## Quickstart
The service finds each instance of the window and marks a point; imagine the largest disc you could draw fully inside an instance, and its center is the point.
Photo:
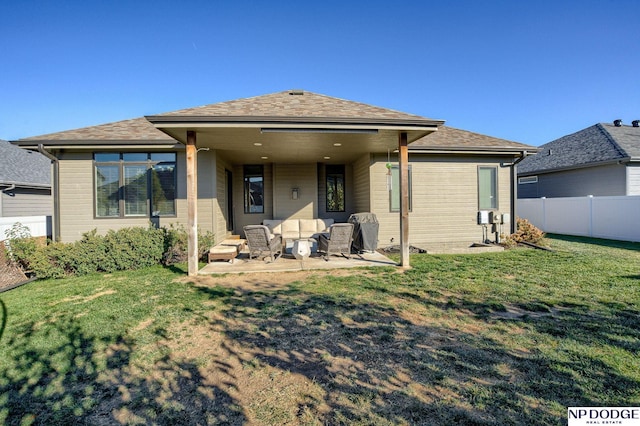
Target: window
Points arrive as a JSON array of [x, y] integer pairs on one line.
[[528, 179], [394, 190], [335, 188], [129, 184], [487, 188], [253, 189]]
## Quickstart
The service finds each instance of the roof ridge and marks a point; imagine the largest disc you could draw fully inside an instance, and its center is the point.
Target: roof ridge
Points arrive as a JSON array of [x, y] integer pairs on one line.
[[612, 140]]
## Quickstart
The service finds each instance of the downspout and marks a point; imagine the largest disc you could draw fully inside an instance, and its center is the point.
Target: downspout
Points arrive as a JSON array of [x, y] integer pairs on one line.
[[514, 190], [55, 190]]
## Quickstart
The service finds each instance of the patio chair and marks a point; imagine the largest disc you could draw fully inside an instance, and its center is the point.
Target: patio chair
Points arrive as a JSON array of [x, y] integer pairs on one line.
[[338, 241], [260, 240]]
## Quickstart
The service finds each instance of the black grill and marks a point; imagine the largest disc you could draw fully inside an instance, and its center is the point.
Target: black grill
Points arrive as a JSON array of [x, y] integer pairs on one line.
[[365, 231]]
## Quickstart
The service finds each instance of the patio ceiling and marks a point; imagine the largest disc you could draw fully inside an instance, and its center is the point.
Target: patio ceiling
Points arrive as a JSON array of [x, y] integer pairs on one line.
[[303, 144]]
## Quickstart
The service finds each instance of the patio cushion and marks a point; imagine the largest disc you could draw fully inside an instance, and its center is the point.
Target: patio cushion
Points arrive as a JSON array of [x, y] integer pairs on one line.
[[323, 225], [308, 227], [291, 229], [274, 225], [223, 249]]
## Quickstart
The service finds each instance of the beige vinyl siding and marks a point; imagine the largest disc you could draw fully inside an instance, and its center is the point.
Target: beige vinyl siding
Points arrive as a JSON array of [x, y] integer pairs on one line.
[[219, 204], [207, 193], [362, 184], [76, 182], [444, 200], [289, 176], [26, 202]]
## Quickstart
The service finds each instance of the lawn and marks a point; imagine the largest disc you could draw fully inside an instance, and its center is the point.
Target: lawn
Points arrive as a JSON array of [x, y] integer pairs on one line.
[[496, 338]]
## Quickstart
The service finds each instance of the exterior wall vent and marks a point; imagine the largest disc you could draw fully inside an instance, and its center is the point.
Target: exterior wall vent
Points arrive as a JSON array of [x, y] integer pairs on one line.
[[635, 123], [617, 123]]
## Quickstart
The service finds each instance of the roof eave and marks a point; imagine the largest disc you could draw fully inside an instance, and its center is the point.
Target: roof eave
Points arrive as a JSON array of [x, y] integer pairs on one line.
[[473, 150], [242, 121], [579, 166], [26, 184], [97, 143]]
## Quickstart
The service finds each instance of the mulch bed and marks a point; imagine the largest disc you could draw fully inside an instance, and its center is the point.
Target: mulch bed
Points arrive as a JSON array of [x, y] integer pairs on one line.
[[10, 275]]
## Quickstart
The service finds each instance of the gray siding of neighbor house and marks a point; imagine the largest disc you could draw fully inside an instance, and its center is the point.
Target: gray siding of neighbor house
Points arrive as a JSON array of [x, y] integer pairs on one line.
[[444, 200], [633, 179], [597, 181], [26, 202], [76, 182]]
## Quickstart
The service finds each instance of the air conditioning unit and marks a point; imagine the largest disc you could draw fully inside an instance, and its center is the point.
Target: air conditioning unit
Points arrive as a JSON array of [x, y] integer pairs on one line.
[[483, 217]]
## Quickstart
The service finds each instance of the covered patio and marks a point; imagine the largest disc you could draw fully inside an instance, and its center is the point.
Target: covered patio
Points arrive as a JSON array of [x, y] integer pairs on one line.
[[292, 128]]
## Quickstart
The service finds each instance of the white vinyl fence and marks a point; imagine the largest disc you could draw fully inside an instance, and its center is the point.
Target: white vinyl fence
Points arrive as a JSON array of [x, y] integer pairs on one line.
[[39, 226], [614, 218]]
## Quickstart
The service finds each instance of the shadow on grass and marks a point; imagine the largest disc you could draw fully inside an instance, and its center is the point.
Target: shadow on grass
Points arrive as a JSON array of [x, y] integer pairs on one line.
[[378, 367], [60, 375]]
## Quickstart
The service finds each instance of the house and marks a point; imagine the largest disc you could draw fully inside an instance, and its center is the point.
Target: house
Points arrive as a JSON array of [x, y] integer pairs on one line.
[[291, 154], [25, 183], [601, 160]]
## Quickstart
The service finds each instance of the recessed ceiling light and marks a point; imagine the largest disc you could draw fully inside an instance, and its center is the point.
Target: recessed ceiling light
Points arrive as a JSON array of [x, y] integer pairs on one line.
[[265, 158], [257, 144], [327, 158], [337, 144]]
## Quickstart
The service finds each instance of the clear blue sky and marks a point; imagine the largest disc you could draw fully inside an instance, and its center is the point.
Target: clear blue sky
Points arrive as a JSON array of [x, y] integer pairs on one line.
[[529, 71]]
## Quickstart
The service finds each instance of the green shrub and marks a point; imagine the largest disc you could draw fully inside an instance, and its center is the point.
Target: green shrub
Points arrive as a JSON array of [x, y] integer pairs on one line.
[[176, 244], [21, 246], [125, 249], [48, 261]]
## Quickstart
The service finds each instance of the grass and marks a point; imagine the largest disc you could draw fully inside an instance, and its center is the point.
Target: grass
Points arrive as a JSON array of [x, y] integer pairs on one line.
[[499, 338]]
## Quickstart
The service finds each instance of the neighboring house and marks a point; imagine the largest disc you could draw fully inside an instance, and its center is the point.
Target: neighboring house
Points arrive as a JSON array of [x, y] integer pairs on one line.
[[25, 183], [601, 160], [292, 154]]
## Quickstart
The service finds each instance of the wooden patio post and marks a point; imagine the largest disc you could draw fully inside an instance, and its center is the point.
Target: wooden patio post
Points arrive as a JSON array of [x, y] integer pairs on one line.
[[192, 203], [404, 199]]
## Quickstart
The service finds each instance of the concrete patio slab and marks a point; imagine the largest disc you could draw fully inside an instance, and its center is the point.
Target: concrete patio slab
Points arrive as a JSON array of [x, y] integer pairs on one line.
[[242, 264]]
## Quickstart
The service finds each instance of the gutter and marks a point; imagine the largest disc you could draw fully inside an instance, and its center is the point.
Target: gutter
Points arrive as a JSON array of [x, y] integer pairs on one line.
[[254, 121], [622, 160], [9, 188], [55, 189]]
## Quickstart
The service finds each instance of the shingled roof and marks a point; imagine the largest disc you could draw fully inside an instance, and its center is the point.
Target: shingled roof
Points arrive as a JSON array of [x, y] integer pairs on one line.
[[600, 143], [292, 104], [137, 129], [453, 139], [22, 167]]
